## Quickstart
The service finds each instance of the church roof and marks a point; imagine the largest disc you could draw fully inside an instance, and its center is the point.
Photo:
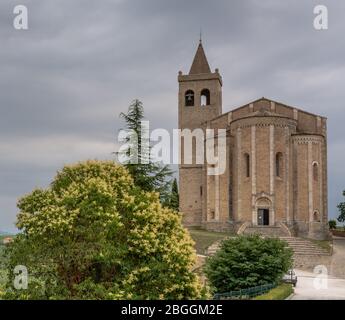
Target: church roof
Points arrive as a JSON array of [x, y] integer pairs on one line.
[[262, 113], [200, 63]]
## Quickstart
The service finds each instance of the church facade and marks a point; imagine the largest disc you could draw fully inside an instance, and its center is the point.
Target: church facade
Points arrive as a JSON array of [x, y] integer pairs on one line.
[[275, 181]]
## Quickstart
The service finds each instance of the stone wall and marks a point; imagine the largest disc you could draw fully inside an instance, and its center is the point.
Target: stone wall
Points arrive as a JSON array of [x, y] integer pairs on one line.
[[309, 262]]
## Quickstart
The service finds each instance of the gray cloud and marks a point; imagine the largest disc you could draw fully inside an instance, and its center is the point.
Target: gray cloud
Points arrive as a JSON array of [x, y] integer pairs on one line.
[[65, 80]]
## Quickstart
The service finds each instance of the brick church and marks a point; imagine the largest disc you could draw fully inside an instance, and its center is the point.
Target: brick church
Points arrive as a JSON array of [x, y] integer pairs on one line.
[[275, 181]]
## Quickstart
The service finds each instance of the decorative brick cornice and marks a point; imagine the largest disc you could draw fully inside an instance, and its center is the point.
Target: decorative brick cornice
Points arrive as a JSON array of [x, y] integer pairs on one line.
[[306, 138], [263, 122]]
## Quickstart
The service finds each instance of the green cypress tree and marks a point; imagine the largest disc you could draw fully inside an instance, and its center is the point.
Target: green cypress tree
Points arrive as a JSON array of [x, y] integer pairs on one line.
[[175, 198], [147, 175]]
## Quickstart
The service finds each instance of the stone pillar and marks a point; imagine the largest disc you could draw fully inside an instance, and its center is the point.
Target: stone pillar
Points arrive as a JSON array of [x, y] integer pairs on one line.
[[253, 169], [287, 173], [273, 106], [321, 183], [324, 173], [239, 173], [272, 176], [310, 180], [319, 125], [216, 195]]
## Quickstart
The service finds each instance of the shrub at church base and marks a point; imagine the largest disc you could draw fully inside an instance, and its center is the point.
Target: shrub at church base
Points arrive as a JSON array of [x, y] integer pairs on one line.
[[94, 235], [248, 261]]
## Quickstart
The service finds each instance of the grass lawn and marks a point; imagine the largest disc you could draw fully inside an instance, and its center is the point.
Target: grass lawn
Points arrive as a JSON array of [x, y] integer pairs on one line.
[[203, 239], [280, 292], [324, 244]]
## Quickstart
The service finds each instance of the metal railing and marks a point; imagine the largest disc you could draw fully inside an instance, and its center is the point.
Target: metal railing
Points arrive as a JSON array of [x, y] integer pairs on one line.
[[245, 293]]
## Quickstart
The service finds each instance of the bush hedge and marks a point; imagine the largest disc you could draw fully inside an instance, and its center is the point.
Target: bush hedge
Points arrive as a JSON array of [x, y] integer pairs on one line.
[[248, 261]]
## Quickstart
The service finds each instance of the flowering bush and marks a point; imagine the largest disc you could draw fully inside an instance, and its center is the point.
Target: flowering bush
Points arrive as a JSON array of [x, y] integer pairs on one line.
[[94, 235]]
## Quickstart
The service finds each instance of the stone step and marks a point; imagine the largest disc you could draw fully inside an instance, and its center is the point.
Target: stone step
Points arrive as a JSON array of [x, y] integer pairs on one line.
[[211, 251], [308, 250], [298, 245], [310, 254], [304, 246]]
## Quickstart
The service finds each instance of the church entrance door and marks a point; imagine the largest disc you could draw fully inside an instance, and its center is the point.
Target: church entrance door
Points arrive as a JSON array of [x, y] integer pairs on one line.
[[263, 217]]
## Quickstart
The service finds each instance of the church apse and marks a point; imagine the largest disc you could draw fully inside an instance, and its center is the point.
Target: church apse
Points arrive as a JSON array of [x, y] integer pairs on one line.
[[275, 180]]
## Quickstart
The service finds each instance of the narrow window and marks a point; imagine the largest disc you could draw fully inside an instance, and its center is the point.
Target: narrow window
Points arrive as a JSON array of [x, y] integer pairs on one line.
[[316, 216], [315, 171], [201, 190], [213, 215], [205, 97], [189, 98], [279, 164], [247, 164]]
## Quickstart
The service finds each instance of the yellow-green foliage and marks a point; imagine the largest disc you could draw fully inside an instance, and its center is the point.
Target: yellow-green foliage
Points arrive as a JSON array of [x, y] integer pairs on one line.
[[280, 292], [94, 235]]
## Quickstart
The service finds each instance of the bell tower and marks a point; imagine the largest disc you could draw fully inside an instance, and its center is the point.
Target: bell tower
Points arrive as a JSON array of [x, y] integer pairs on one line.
[[200, 93], [200, 100]]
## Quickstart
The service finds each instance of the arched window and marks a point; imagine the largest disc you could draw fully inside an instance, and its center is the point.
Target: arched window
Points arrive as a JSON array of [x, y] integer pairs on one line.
[[189, 98], [247, 164], [315, 171], [316, 216], [212, 215], [279, 165], [205, 97]]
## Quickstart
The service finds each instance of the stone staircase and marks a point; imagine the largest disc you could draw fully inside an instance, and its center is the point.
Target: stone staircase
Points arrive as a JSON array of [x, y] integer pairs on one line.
[[304, 247], [213, 248], [298, 245]]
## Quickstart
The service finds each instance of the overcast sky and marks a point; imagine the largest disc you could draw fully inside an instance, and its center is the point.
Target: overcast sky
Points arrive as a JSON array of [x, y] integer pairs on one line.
[[64, 81]]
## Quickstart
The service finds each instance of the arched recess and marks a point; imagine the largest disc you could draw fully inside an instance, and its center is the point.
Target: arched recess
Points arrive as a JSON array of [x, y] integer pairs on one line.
[[189, 98], [246, 158], [205, 97], [316, 216], [315, 171], [263, 214], [279, 165]]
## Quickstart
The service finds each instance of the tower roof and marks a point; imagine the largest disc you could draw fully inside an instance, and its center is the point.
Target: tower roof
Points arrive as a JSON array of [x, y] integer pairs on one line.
[[200, 63]]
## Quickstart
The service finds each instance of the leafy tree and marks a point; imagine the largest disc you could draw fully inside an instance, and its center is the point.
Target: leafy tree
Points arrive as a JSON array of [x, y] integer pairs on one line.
[[341, 207], [95, 235], [332, 224], [147, 174], [248, 261], [174, 197]]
